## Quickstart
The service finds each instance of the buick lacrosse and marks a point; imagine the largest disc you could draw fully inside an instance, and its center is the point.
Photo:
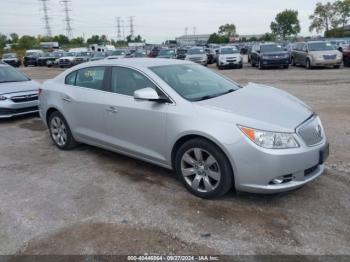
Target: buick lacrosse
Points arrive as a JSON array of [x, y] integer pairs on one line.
[[177, 114]]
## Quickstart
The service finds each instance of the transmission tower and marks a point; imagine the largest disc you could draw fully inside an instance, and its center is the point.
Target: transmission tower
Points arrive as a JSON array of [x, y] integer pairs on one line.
[[131, 21], [119, 33], [194, 30], [46, 17], [67, 19]]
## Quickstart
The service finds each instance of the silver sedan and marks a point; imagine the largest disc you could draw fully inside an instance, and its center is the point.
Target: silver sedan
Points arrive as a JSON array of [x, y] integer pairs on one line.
[[215, 134], [18, 93]]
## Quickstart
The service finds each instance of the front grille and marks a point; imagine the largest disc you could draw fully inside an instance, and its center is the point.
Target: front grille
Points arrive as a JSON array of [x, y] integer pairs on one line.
[[24, 98], [11, 111], [329, 57], [311, 132]]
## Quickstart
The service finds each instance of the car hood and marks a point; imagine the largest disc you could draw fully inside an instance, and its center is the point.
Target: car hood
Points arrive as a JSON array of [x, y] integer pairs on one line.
[[260, 106], [68, 57], [330, 52], [230, 55], [274, 53], [15, 87]]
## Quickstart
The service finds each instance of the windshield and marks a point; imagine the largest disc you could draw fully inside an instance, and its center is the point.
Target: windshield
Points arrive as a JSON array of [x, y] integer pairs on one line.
[[9, 74], [322, 46], [166, 52], [31, 54], [194, 82], [84, 54], [9, 56], [271, 48], [99, 54], [118, 52], [70, 54], [140, 54], [229, 50], [195, 51]]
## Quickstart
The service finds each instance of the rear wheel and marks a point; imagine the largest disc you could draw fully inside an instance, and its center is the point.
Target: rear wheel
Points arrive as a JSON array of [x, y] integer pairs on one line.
[[203, 168], [60, 132]]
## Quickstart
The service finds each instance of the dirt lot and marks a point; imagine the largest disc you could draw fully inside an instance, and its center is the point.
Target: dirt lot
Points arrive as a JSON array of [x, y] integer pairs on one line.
[[90, 201]]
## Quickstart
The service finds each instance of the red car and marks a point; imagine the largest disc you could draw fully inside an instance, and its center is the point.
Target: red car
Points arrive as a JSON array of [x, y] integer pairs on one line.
[[346, 56]]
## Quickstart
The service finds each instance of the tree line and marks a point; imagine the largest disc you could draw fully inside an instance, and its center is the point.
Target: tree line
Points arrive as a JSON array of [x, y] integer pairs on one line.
[[330, 18]]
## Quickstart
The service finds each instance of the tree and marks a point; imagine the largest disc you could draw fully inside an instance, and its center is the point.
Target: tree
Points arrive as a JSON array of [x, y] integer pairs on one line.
[[342, 11], [14, 38], [27, 42], [227, 30], [3, 40], [78, 41], [286, 24], [95, 39], [268, 37], [61, 39], [323, 18], [217, 39]]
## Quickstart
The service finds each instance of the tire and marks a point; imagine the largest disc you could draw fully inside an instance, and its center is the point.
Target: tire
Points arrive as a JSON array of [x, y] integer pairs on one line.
[[347, 62], [60, 132], [308, 64], [292, 61], [240, 66], [336, 66], [207, 181], [25, 65], [286, 66], [261, 67]]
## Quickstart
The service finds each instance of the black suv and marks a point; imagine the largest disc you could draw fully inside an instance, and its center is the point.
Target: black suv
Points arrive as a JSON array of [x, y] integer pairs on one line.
[[31, 57], [269, 55], [181, 53], [11, 59]]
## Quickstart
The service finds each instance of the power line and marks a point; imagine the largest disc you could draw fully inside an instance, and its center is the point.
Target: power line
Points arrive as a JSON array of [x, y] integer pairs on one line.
[[46, 17], [67, 19]]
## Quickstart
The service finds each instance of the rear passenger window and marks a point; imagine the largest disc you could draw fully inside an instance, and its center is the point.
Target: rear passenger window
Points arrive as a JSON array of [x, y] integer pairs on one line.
[[91, 77], [70, 79]]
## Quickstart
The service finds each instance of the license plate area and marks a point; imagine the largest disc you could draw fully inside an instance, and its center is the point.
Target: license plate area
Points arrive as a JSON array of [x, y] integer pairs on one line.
[[324, 153]]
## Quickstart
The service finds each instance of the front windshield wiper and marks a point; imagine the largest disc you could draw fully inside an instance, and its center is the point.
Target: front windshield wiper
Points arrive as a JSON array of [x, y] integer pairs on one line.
[[206, 97]]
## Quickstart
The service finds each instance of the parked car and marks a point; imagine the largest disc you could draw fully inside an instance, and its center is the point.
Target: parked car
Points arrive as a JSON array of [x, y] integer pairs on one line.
[[139, 53], [11, 59], [68, 60], [346, 56], [211, 55], [47, 56], [54, 61], [229, 56], [31, 57], [197, 55], [154, 51], [316, 53], [183, 116], [181, 53], [265, 55], [167, 53], [18, 93], [99, 56], [117, 54]]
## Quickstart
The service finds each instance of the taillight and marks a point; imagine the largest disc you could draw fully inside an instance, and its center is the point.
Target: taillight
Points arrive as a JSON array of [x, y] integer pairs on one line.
[[40, 91]]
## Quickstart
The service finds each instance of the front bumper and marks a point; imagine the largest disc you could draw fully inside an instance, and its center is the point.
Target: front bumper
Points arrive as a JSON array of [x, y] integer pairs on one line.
[[233, 63], [324, 62], [256, 167], [275, 62], [9, 108]]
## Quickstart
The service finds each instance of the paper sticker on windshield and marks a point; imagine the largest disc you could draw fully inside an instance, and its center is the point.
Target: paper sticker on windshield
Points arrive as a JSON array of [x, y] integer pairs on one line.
[[90, 73], [328, 44]]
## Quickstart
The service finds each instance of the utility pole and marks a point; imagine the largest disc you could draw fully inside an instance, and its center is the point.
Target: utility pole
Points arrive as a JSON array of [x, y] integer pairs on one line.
[[67, 19], [46, 17], [123, 27], [194, 30]]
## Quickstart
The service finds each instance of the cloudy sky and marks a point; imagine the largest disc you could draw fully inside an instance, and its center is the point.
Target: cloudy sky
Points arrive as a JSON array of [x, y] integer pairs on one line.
[[155, 20]]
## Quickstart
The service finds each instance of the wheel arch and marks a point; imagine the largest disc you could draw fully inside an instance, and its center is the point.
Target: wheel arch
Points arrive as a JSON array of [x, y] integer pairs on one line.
[[186, 137]]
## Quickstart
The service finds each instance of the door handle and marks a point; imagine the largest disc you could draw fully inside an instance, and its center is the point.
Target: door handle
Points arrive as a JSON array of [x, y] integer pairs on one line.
[[67, 99], [112, 109]]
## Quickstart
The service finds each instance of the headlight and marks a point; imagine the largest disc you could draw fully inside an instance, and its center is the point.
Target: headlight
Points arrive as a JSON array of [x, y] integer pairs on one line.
[[271, 140], [3, 98]]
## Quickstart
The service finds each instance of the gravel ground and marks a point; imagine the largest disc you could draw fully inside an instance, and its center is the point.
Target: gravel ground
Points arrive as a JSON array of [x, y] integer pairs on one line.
[[91, 201]]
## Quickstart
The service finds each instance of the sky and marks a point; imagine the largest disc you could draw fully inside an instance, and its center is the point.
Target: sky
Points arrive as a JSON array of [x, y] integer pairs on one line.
[[154, 20]]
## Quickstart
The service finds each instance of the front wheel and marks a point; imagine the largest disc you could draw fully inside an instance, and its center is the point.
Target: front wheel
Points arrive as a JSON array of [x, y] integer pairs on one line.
[[60, 132], [261, 67], [292, 62], [336, 66], [204, 169], [308, 64]]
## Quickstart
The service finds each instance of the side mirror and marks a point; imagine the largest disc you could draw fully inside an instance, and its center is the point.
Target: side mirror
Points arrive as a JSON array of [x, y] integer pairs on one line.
[[149, 94]]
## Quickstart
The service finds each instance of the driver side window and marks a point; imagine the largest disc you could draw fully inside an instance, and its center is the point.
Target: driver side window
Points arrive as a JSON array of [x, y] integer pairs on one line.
[[126, 81]]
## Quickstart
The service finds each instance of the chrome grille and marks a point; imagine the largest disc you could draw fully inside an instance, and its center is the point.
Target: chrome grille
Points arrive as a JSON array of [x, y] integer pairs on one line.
[[24, 98], [311, 131]]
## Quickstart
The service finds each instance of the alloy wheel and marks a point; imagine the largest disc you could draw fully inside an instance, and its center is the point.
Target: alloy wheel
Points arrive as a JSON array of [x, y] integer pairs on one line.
[[200, 170], [58, 131]]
